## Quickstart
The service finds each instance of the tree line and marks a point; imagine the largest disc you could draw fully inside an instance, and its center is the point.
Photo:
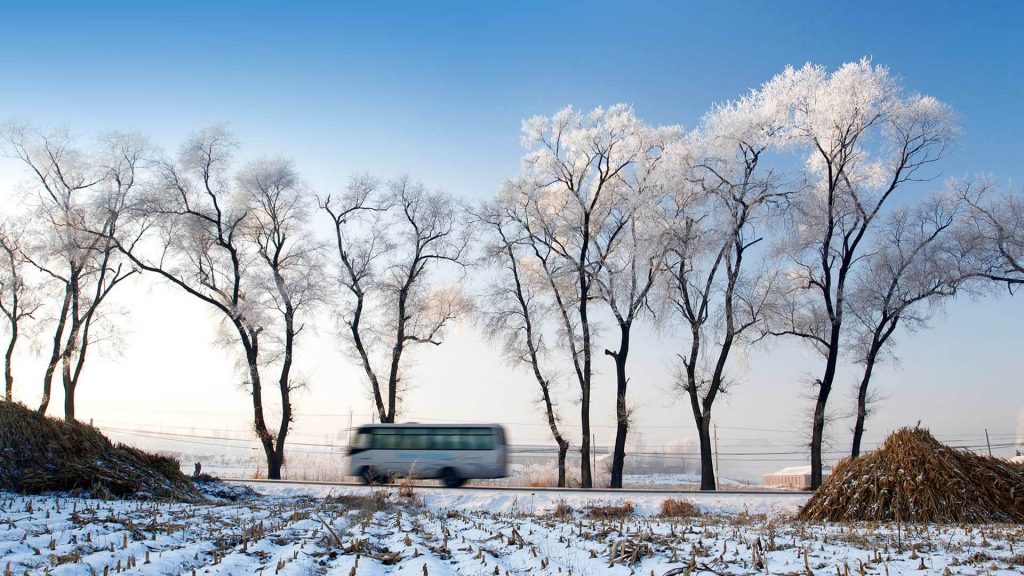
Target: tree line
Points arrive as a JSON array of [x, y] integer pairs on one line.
[[794, 212]]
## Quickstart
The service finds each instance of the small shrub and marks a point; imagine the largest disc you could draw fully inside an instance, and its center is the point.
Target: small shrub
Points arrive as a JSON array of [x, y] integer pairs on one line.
[[405, 488], [745, 518], [611, 511], [562, 510], [678, 508], [536, 475], [376, 501], [544, 474], [381, 499], [1017, 560]]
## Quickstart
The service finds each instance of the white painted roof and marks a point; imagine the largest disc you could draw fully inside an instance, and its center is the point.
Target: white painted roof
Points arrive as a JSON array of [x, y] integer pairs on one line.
[[798, 470]]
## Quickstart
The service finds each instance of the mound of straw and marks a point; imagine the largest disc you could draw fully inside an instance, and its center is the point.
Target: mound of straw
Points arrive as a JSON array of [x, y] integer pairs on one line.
[[913, 477], [678, 508], [41, 454]]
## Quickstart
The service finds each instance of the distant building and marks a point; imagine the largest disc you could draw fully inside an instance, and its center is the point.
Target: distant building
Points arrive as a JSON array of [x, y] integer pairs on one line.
[[796, 477]]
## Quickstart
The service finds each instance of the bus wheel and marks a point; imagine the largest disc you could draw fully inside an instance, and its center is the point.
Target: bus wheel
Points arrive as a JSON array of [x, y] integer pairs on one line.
[[368, 476], [451, 479]]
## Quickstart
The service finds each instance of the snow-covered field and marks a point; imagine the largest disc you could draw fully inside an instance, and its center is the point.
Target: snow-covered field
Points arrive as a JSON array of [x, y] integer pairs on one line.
[[304, 530]]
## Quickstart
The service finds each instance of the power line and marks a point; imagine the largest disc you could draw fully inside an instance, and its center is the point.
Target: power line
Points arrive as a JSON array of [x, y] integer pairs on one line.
[[947, 439], [950, 437], [521, 449]]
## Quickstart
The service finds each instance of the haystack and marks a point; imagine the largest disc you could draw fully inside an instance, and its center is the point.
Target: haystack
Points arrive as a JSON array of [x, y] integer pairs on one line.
[[913, 477], [40, 454]]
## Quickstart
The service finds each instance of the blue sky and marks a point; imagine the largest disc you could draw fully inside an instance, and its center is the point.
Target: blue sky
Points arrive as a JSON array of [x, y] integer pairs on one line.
[[438, 90]]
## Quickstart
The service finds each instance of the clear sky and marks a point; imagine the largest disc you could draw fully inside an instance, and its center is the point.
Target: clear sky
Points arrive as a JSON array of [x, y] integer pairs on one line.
[[438, 90]]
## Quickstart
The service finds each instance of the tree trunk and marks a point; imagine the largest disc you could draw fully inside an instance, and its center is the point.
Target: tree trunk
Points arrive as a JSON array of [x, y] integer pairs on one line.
[[70, 345], [388, 417], [251, 344], [284, 382], [534, 361], [707, 462], [8, 375], [563, 449], [619, 450], [58, 339], [817, 435], [862, 405], [275, 461], [69, 400], [70, 380], [621, 414], [563, 444], [818, 424], [357, 339], [701, 416], [586, 481]]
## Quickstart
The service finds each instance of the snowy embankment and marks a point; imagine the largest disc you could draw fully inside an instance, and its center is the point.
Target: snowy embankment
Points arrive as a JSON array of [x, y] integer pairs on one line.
[[303, 530]]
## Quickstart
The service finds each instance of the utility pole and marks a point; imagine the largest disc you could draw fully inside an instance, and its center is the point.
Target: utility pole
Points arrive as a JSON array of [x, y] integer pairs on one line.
[[349, 427], [989, 444], [593, 459], [716, 456]]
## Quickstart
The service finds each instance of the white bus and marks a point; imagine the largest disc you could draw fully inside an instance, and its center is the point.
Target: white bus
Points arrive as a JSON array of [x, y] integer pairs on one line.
[[452, 452]]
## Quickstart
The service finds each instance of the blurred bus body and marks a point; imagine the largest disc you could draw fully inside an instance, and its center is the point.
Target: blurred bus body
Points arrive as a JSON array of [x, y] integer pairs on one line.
[[452, 453]]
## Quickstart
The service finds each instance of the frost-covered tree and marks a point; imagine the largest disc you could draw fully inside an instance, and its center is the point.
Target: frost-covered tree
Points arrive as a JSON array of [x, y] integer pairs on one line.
[[912, 267], [571, 193], [995, 233], [863, 140], [513, 308], [81, 203], [721, 198], [289, 275], [631, 255], [236, 241], [392, 242], [19, 299]]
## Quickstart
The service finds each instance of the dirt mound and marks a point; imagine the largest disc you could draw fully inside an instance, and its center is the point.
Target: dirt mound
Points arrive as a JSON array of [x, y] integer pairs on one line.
[[913, 477], [41, 454]]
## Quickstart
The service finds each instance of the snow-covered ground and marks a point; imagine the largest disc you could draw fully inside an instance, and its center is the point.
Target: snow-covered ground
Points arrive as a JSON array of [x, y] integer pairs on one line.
[[303, 530]]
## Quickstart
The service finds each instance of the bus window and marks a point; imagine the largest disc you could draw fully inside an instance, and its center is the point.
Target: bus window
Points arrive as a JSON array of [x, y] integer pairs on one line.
[[485, 441], [412, 439], [445, 440], [428, 439], [362, 440], [385, 439]]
